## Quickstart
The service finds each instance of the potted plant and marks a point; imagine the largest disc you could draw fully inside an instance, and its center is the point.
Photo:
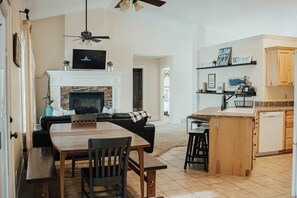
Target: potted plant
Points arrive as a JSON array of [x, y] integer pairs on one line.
[[48, 111], [66, 65], [109, 66]]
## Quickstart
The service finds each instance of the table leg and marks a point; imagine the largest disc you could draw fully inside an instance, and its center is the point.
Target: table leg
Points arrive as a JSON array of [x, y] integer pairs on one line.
[[62, 173], [141, 170]]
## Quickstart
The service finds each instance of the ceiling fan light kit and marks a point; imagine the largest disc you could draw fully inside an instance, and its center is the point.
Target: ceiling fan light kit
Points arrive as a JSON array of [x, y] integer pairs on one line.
[[138, 6], [125, 5]]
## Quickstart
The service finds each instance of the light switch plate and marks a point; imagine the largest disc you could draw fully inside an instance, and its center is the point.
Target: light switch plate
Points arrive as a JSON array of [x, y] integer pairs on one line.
[[216, 122]]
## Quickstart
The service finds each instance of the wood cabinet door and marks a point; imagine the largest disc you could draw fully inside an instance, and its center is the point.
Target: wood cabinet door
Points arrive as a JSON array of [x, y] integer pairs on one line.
[[280, 66], [291, 68], [284, 61]]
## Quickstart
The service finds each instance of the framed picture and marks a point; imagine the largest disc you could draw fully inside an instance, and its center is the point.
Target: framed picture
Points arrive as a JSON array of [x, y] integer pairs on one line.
[[211, 81], [17, 54], [224, 56]]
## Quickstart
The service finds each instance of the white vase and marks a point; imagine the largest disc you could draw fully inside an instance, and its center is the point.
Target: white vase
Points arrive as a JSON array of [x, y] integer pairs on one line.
[[66, 67], [109, 68]]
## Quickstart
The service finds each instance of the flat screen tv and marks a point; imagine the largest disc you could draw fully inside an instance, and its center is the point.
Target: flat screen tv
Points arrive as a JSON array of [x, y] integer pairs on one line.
[[88, 59]]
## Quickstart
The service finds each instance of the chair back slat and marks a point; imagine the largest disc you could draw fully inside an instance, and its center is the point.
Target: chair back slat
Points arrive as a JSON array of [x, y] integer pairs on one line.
[[109, 156]]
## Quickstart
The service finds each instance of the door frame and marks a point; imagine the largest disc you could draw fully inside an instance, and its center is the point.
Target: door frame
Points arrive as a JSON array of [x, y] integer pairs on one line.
[[162, 67], [7, 152], [144, 84]]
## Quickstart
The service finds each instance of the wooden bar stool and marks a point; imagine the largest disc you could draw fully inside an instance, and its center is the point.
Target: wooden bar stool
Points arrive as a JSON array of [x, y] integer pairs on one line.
[[197, 150]]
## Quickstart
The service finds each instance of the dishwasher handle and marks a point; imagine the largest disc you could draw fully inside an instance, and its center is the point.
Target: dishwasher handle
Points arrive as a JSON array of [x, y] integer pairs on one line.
[[272, 114]]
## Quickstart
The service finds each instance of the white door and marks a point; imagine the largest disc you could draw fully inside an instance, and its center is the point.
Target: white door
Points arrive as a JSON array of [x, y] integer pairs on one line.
[[3, 115]]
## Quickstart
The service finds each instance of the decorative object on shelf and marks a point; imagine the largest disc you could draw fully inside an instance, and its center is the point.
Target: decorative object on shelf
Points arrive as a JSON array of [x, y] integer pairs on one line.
[[109, 66], [204, 89], [221, 87], [224, 56], [212, 81], [48, 111], [206, 63], [17, 50], [241, 59], [235, 81], [66, 65]]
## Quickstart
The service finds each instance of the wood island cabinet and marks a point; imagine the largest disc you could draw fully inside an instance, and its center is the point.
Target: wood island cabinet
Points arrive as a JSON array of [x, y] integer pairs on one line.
[[288, 143], [231, 145], [280, 66]]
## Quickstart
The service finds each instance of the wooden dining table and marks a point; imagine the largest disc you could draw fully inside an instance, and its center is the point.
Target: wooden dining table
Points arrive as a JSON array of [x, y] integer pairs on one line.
[[72, 139]]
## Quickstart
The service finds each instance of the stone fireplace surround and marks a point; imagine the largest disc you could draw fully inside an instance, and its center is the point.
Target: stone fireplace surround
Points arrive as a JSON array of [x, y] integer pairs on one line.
[[61, 82]]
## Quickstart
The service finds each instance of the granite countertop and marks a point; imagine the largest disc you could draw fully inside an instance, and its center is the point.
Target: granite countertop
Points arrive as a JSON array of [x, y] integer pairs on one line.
[[215, 111]]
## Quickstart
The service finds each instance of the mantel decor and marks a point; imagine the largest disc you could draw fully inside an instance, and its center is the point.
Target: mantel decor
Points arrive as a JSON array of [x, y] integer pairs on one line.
[[224, 56], [17, 54]]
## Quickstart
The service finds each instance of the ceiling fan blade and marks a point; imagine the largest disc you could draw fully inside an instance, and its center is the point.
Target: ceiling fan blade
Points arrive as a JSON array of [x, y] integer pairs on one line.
[[71, 36], [158, 3], [101, 37], [118, 5], [95, 40]]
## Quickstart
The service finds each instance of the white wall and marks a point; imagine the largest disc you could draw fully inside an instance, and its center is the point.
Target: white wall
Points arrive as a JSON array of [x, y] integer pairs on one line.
[[129, 36], [151, 81], [48, 49], [254, 46]]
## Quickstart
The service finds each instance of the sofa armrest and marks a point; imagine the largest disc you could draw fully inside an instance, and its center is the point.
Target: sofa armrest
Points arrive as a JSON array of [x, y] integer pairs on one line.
[[149, 135], [41, 139]]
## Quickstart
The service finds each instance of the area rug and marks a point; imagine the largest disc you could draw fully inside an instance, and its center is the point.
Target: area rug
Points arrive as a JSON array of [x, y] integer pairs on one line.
[[169, 136]]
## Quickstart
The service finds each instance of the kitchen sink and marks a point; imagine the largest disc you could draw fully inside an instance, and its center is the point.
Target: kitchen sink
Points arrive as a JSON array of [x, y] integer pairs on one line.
[[237, 110]]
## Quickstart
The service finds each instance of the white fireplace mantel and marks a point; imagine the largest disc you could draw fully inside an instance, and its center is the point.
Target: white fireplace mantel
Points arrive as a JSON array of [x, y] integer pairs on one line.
[[60, 78]]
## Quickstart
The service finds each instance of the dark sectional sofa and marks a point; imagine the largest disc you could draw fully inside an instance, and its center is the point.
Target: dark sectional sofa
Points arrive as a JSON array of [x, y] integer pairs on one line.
[[41, 138]]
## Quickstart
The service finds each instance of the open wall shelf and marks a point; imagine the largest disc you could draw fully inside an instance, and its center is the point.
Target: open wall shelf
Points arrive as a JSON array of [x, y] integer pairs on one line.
[[229, 93], [215, 67]]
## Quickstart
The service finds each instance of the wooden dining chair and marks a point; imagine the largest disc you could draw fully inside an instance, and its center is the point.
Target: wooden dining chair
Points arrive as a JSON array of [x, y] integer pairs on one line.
[[108, 162], [81, 120]]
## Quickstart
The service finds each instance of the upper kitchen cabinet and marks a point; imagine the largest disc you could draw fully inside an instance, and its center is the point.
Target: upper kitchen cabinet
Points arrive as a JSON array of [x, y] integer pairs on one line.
[[280, 66]]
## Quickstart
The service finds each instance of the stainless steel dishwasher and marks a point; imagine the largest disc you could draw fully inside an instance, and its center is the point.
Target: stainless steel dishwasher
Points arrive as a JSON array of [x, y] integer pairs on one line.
[[271, 132]]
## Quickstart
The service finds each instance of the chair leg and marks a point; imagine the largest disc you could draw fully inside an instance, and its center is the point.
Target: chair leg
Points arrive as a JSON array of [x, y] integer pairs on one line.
[[189, 147], [73, 165], [82, 186]]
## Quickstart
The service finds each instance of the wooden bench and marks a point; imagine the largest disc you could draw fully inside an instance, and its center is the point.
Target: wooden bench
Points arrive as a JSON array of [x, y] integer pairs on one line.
[[41, 169], [151, 165]]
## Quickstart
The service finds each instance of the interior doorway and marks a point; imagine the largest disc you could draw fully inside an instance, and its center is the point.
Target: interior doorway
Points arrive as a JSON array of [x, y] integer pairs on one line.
[[137, 89], [166, 92], [3, 114]]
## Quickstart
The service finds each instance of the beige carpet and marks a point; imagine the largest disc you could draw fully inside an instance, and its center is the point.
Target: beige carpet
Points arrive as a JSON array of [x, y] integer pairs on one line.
[[168, 136]]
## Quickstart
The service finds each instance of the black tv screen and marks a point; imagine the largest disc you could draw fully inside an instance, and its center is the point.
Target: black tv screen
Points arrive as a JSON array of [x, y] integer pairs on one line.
[[88, 59]]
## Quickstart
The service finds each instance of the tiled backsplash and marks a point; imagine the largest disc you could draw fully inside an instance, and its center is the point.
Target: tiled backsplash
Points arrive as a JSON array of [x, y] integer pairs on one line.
[[273, 103]]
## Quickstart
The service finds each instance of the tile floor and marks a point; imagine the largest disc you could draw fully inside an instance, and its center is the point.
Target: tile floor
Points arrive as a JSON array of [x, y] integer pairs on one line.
[[271, 177]]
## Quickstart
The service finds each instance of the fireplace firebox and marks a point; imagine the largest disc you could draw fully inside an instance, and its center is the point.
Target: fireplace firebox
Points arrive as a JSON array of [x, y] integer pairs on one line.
[[86, 102]]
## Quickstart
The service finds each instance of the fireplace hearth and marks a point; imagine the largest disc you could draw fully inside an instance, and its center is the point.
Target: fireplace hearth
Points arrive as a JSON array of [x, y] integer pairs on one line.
[[86, 102]]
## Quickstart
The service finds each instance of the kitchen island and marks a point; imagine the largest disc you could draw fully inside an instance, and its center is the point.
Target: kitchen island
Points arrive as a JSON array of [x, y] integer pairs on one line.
[[231, 136]]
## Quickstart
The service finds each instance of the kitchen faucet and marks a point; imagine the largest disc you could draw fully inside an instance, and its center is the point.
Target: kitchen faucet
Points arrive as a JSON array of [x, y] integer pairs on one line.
[[224, 102]]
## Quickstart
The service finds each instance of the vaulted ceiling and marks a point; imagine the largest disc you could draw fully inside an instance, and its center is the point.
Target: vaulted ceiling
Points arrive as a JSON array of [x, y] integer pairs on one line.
[[261, 16]]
